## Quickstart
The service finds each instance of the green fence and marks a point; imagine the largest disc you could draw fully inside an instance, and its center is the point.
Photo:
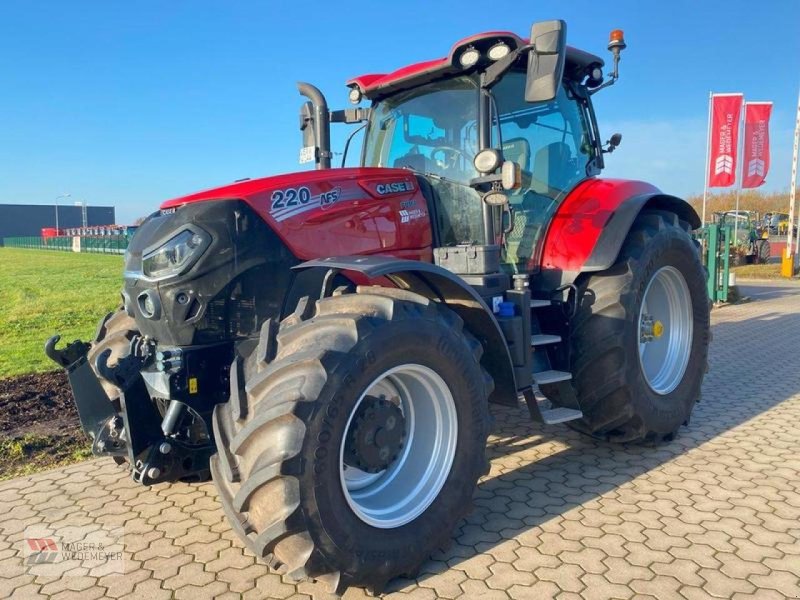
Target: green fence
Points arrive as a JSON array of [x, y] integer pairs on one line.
[[101, 244]]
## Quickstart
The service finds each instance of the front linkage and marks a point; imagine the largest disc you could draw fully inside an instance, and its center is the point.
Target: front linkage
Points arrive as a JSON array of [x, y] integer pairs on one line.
[[162, 441]]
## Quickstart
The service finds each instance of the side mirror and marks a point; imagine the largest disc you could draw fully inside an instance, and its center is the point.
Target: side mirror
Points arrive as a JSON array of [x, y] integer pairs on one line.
[[611, 144], [546, 60]]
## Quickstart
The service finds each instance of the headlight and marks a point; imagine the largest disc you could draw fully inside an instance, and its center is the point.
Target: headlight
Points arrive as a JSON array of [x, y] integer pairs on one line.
[[176, 255]]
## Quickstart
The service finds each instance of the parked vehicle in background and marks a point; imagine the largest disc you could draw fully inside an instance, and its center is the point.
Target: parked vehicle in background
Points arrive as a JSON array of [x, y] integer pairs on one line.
[[750, 243], [779, 224]]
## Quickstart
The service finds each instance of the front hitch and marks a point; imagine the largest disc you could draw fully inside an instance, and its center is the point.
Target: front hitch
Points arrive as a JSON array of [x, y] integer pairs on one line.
[[95, 409], [135, 431]]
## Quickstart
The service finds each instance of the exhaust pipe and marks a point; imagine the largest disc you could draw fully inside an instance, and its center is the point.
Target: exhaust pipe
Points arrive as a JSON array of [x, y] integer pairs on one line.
[[319, 118]]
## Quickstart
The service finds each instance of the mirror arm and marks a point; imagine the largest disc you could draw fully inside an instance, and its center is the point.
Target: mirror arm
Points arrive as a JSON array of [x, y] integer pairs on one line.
[[350, 115]]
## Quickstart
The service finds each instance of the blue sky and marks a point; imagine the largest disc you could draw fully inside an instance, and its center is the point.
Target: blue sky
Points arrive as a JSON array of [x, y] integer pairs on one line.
[[133, 103]]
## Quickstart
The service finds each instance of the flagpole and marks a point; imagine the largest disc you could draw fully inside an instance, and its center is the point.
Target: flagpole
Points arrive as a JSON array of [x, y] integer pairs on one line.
[[741, 172], [793, 190], [708, 156]]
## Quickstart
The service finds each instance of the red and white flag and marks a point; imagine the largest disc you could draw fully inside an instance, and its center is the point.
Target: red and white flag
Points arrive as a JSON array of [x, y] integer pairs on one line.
[[756, 143], [726, 110]]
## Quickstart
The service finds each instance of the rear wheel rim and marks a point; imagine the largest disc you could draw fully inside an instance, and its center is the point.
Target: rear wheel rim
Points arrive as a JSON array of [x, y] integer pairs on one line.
[[665, 330], [409, 485]]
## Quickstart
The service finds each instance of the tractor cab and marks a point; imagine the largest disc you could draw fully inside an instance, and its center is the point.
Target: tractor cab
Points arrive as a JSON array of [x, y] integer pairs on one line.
[[495, 102], [433, 130]]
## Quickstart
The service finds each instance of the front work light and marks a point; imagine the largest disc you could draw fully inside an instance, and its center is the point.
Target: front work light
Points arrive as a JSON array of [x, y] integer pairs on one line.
[[176, 255], [487, 160], [469, 57], [355, 95], [498, 51]]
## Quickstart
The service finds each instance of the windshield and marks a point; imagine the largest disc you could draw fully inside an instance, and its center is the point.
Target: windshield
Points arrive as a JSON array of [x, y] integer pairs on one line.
[[433, 130]]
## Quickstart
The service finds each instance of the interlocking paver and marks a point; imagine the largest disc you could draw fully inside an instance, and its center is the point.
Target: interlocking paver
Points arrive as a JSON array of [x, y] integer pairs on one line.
[[712, 515]]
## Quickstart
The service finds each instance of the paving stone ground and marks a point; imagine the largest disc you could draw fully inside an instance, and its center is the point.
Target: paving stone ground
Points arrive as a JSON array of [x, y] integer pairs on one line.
[[714, 514]]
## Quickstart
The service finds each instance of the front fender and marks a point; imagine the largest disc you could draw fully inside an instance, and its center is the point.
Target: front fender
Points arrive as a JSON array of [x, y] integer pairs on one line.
[[440, 285], [589, 227]]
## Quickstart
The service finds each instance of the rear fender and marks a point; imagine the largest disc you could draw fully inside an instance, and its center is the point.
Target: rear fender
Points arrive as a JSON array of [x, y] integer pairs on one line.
[[591, 224], [438, 284]]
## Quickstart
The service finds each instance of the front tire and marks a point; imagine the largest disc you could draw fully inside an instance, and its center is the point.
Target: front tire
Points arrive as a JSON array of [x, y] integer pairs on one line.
[[639, 342], [319, 499]]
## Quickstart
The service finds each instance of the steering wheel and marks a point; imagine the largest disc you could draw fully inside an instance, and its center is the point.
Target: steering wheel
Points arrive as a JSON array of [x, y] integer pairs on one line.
[[450, 156]]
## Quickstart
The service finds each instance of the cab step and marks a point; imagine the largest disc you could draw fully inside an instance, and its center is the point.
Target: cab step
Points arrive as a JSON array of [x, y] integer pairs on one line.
[[549, 416], [542, 339], [551, 376], [561, 414]]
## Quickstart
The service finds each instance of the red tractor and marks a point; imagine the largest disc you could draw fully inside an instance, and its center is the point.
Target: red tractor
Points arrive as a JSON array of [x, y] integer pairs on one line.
[[326, 343]]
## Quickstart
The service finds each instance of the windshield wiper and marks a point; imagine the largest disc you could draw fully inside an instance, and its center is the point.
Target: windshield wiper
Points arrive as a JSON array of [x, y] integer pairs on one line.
[[437, 176]]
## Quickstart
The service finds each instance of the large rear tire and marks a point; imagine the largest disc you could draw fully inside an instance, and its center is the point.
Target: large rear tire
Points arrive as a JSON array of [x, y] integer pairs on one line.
[[311, 470], [639, 342]]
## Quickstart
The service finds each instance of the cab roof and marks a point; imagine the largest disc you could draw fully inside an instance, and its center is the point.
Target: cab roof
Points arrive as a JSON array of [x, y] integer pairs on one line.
[[378, 85]]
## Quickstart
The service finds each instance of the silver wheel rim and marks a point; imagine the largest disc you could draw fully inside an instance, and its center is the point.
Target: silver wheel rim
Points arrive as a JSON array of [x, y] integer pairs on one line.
[[401, 492], [665, 330]]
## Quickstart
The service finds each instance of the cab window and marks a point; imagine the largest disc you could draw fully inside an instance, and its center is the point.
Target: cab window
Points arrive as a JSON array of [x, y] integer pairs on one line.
[[433, 130], [551, 144]]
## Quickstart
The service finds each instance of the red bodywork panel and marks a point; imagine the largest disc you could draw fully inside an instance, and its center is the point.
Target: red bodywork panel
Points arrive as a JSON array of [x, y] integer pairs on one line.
[[354, 211], [580, 218], [337, 212]]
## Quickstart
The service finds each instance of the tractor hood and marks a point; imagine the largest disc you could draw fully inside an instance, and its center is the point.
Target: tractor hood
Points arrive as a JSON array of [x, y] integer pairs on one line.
[[250, 187], [335, 212]]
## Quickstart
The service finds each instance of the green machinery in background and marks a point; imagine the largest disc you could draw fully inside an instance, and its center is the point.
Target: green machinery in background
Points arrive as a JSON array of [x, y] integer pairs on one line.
[[715, 241]]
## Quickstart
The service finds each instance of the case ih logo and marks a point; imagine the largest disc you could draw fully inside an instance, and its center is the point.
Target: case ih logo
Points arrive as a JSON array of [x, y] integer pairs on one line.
[[43, 550], [396, 187], [723, 164]]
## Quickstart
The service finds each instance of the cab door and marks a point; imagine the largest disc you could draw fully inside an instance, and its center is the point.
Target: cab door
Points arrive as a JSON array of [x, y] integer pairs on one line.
[[551, 143]]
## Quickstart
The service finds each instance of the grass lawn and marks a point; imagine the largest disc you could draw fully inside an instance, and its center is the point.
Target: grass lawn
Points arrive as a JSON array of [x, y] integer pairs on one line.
[[32, 453], [768, 271], [43, 292]]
